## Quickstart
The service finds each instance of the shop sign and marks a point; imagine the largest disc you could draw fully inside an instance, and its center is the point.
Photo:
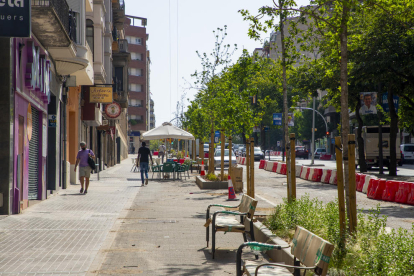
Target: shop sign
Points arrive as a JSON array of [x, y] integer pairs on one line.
[[29, 124], [15, 18], [113, 110], [52, 120], [135, 133], [101, 95], [37, 77]]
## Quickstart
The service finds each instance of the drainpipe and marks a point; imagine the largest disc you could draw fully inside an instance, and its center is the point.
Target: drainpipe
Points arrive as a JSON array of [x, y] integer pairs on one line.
[[64, 98]]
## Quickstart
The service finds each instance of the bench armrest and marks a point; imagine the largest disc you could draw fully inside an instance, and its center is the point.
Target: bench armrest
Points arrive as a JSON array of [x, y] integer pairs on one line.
[[282, 265]]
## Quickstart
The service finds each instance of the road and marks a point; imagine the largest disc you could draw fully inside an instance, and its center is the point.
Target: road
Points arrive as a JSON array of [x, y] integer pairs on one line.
[[271, 187]]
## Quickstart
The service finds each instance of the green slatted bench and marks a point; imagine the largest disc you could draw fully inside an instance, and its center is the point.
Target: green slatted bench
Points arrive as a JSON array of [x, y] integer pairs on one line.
[[226, 222], [310, 253]]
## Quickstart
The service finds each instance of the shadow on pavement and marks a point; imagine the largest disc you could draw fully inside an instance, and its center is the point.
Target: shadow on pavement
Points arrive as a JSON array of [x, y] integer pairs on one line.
[[394, 211]]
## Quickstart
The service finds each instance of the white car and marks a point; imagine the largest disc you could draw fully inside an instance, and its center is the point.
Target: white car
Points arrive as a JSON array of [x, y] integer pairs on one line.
[[319, 152], [217, 158], [407, 153]]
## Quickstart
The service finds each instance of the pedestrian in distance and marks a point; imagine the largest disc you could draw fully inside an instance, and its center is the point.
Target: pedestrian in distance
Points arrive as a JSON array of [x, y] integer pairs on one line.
[[161, 152], [84, 168], [143, 154]]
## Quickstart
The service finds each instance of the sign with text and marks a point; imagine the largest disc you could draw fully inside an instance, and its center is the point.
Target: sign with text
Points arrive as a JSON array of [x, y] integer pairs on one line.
[[100, 95], [52, 120], [216, 136], [385, 105], [15, 18], [277, 119]]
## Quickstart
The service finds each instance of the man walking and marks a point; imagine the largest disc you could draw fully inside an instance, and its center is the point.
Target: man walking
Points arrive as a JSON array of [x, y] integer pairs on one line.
[[143, 154], [84, 169], [161, 152]]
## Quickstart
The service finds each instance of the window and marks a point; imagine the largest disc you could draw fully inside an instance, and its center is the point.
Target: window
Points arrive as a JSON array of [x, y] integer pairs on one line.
[[89, 35], [135, 87], [136, 56], [138, 41]]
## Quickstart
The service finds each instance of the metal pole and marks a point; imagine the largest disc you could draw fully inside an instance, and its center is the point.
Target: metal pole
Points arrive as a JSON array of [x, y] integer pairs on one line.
[[222, 155], [313, 133], [292, 166], [97, 170]]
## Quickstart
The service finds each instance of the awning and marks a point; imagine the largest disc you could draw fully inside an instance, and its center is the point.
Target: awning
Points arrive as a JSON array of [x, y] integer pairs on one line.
[[167, 130]]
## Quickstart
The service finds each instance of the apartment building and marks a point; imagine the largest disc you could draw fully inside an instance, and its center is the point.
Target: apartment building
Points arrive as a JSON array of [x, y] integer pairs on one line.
[[53, 61], [139, 74]]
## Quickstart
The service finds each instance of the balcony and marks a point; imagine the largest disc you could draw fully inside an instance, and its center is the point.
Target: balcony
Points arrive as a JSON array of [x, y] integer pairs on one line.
[[55, 28], [120, 95], [84, 55], [118, 8]]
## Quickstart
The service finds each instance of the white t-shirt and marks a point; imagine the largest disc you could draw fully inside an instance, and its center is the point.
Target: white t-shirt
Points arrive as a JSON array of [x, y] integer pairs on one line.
[[365, 110], [161, 148]]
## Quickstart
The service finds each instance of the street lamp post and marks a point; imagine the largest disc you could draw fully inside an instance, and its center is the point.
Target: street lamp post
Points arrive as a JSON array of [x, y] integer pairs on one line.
[[313, 125]]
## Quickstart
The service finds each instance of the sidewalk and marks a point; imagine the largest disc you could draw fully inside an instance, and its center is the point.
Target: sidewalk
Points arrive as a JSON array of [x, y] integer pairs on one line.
[[119, 228]]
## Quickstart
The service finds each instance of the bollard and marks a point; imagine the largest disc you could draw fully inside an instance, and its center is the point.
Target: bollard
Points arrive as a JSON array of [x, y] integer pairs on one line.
[[340, 183], [97, 167]]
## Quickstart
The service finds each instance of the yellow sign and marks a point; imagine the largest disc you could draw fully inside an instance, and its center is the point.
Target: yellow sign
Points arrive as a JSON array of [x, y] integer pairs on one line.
[[101, 95], [29, 123]]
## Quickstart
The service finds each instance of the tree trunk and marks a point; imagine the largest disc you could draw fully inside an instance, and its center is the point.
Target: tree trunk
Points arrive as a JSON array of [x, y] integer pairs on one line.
[[344, 98], [362, 164], [393, 134], [285, 102]]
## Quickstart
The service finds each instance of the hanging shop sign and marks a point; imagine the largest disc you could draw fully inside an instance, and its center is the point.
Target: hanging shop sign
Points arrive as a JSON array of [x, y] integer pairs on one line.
[[29, 123], [101, 95], [15, 18], [52, 120], [113, 110]]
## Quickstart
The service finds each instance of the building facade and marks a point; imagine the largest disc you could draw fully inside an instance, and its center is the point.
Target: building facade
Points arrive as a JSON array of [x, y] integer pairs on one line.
[[47, 109], [139, 74]]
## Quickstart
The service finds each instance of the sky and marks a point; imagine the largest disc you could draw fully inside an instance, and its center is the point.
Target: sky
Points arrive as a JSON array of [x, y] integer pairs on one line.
[[179, 28]]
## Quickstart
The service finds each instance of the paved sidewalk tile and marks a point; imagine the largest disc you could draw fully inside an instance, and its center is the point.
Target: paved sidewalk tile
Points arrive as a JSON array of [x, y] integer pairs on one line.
[[63, 234], [163, 234], [119, 228]]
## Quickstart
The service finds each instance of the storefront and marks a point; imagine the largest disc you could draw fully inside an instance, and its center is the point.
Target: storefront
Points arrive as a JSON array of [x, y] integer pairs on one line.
[[31, 77]]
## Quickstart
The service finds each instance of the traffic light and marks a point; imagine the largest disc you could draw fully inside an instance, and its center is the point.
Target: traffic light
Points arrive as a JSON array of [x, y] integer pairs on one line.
[[327, 133]]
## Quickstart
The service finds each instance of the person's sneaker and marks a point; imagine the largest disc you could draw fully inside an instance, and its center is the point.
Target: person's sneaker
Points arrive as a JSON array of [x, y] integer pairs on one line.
[[81, 191], [142, 185], [86, 191], [146, 181]]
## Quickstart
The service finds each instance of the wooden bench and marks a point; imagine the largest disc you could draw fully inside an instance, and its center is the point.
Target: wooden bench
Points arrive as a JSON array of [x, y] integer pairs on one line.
[[309, 250], [246, 208]]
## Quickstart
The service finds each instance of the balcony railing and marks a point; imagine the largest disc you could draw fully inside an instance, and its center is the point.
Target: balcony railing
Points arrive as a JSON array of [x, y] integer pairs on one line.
[[60, 6], [72, 26]]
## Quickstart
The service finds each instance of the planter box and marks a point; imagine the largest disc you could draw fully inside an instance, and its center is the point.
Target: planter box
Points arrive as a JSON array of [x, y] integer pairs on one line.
[[203, 184]]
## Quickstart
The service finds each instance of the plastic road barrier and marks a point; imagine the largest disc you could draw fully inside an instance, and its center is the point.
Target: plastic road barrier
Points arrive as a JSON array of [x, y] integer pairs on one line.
[[327, 176], [308, 170], [404, 189], [262, 164], [310, 175], [333, 179], [377, 188], [391, 188], [317, 175], [274, 168], [279, 167], [410, 197], [361, 182], [298, 169], [366, 184], [304, 172], [269, 166], [283, 170]]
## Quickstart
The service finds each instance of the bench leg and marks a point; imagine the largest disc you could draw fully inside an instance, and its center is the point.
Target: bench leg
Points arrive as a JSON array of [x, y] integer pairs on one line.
[[208, 227], [213, 246]]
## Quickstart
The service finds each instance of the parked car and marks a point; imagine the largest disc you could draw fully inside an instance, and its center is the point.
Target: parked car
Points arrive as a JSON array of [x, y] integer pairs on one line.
[[206, 150], [258, 153], [407, 153], [319, 152], [217, 158], [242, 150], [302, 152]]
